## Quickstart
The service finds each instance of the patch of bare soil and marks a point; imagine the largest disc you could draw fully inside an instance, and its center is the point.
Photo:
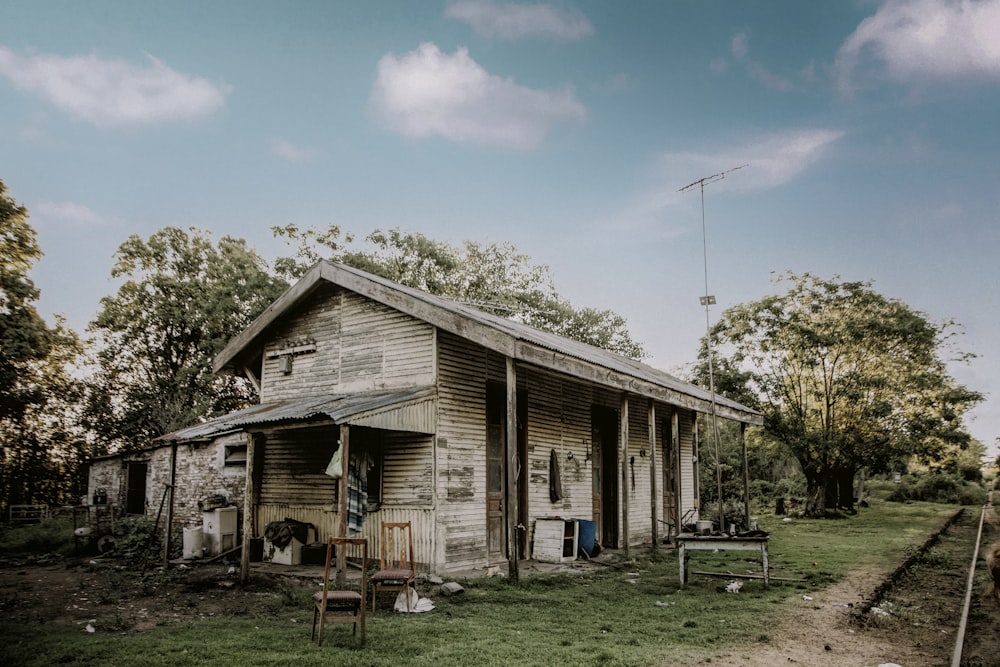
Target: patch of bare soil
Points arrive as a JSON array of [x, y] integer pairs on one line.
[[52, 589], [914, 625]]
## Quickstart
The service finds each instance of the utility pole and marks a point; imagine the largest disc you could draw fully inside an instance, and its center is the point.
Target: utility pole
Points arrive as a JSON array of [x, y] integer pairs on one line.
[[706, 301]]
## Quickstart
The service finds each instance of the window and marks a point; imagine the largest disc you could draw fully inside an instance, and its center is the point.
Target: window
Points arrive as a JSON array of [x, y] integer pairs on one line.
[[235, 457]]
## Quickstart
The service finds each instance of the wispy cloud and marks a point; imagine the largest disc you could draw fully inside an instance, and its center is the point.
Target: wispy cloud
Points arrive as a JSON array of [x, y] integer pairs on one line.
[[429, 93], [57, 214], [111, 93], [920, 41], [615, 84], [516, 21], [293, 153], [739, 47], [771, 162]]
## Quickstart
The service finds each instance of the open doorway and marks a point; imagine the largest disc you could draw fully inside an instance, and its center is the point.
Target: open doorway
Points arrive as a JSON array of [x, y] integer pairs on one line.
[[135, 488], [604, 454]]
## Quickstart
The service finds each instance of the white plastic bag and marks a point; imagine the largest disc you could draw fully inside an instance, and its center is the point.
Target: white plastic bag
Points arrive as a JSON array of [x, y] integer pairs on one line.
[[335, 468], [417, 603]]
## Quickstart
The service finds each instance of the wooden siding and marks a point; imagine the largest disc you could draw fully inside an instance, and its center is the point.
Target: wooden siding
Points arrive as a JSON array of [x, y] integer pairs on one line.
[[360, 345], [461, 453], [408, 470], [293, 467], [640, 529], [688, 500]]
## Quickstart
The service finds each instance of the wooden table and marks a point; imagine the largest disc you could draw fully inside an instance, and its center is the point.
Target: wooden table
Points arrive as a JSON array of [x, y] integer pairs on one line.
[[687, 543]]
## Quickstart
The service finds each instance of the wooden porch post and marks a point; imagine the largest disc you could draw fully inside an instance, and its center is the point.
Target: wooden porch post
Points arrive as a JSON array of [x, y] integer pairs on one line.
[[625, 470], [675, 442], [249, 491], [652, 472], [746, 473], [345, 446], [511, 469]]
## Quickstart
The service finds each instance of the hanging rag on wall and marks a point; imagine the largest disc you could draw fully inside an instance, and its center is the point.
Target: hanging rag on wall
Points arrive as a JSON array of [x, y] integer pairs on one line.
[[357, 490], [555, 481]]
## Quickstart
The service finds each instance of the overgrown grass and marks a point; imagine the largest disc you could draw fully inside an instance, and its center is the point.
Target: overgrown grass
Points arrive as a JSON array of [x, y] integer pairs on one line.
[[611, 617], [48, 536]]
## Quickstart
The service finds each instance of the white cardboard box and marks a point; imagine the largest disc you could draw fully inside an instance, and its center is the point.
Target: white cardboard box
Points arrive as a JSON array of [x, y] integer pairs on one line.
[[290, 555]]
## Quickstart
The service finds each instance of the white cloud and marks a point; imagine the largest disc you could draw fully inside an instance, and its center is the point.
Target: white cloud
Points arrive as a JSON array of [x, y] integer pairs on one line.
[[291, 152], [912, 42], [428, 93], [615, 84], [112, 93], [514, 21], [740, 48], [770, 161], [60, 213]]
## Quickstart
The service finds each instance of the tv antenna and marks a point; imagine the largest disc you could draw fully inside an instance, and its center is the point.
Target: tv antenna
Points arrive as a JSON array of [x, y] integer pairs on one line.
[[706, 301]]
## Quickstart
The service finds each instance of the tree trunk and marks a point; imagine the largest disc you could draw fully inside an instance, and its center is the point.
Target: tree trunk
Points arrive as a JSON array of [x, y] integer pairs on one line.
[[815, 492], [845, 486]]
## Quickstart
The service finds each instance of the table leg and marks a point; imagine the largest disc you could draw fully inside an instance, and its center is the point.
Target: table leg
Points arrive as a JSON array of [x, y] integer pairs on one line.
[[682, 560], [767, 569]]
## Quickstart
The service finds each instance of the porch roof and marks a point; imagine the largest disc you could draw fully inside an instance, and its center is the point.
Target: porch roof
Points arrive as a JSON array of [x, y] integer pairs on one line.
[[398, 410]]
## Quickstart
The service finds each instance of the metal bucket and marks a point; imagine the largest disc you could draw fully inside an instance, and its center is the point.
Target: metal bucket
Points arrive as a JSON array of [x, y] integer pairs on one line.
[[704, 527]]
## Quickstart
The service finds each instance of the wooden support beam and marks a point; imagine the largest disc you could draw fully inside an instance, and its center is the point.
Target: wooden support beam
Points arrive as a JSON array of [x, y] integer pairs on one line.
[[652, 475], [675, 442], [623, 448], [746, 475], [345, 454], [510, 504], [249, 498]]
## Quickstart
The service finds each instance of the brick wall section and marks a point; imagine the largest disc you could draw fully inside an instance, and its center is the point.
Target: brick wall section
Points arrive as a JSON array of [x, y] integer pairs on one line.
[[201, 472]]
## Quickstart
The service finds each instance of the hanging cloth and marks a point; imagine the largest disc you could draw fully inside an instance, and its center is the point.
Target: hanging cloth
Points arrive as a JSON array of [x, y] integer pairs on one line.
[[357, 491], [555, 481]]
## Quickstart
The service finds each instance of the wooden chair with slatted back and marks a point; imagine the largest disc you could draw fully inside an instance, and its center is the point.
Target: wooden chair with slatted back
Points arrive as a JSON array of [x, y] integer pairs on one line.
[[396, 570], [342, 600]]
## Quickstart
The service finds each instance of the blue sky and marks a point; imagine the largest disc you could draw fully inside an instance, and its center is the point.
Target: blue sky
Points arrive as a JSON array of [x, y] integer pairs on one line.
[[869, 129]]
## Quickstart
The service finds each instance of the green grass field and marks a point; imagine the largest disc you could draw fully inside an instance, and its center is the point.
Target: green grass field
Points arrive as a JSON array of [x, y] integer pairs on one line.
[[610, 617]]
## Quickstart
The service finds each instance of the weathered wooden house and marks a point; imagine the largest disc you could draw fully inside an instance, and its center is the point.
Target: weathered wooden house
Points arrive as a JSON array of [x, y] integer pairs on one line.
[[467, 425]]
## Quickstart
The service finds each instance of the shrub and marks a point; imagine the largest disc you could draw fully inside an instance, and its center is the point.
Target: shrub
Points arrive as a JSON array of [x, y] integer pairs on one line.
[[47, 536]]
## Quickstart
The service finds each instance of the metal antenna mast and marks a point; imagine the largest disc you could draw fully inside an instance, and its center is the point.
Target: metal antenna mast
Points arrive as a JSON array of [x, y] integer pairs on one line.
[[709, 300]]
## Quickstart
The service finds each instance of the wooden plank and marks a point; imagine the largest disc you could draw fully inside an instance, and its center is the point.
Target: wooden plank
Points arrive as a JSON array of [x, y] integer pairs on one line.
[[730, 575], [624, 488], [511, 505], [653, 499], [249, 495], [345, 442]]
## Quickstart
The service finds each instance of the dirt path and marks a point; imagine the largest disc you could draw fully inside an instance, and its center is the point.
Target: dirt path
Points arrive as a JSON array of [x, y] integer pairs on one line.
[[922, 621]]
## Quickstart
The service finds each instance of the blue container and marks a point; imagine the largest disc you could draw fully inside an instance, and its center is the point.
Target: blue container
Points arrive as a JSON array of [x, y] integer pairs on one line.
[[588, 534]]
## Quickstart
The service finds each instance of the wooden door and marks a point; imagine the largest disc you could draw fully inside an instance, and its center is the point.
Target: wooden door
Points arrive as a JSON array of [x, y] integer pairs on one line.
[[496, 431], [604, 427], [670, 477]]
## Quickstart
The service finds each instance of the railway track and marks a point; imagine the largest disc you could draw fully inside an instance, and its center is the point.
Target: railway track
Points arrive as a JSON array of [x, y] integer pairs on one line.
[[941, 604]]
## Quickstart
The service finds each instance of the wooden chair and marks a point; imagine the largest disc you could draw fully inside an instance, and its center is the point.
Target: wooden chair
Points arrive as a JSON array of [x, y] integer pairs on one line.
[[337, 602], [396, 570]]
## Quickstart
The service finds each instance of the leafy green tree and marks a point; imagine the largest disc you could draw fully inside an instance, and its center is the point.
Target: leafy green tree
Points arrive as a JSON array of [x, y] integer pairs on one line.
[[495, 278], [38, 443], [845, 378], [24, 337], [183, 298], [44, 446]]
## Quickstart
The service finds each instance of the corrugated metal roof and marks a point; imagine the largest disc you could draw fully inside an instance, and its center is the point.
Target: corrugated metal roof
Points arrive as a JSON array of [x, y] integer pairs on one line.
[[342, 409], [592, 363], [555, 343]]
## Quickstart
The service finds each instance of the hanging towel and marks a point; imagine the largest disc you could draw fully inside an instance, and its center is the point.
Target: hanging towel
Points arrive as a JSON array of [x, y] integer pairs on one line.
[[555, 482], [357, 492]]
